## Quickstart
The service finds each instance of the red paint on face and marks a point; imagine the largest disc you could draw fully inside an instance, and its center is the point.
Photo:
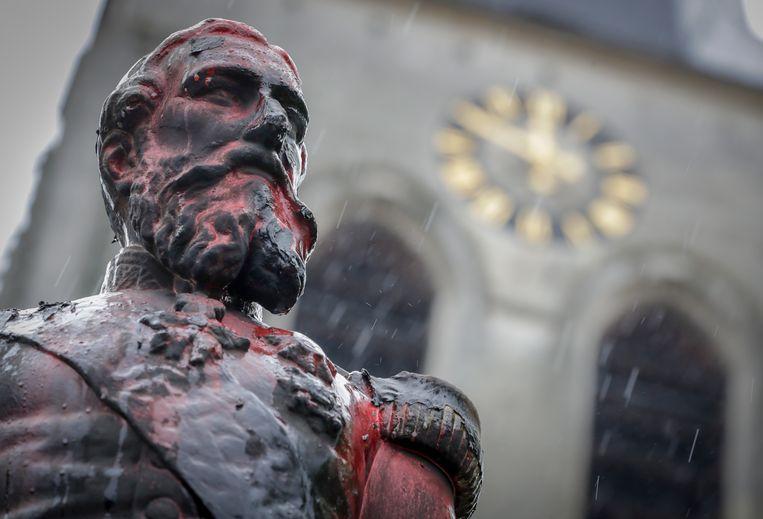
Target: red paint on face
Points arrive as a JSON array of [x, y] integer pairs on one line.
[[230, 119], [215, 96], [288, 214]]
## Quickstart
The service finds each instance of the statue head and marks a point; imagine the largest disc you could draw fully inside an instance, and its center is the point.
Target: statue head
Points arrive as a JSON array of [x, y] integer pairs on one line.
[[201, 152]]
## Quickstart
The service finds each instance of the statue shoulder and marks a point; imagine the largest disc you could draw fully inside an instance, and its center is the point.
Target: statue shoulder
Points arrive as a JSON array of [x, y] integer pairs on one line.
[[33, 343], [34, 325], [432, 417], [94, 316], [52, 334]]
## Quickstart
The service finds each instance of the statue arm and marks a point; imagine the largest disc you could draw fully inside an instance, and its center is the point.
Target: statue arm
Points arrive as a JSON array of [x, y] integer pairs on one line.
[[402, 484], [423, 415]]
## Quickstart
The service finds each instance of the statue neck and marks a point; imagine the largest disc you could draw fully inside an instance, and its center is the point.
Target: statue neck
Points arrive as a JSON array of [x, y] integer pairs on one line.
[[135, 268]]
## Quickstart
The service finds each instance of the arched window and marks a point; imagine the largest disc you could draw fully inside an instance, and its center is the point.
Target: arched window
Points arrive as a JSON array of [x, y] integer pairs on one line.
[[658, 430], [367, 301]]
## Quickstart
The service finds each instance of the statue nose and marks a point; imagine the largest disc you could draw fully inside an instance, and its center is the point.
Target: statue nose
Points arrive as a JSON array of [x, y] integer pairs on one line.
[[270, 129]]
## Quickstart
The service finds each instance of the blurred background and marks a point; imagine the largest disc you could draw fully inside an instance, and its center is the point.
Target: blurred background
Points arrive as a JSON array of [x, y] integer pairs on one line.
[[555, 205]]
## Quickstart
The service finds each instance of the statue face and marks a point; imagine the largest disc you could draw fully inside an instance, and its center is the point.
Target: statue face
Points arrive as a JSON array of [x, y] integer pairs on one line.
[[214, 175]]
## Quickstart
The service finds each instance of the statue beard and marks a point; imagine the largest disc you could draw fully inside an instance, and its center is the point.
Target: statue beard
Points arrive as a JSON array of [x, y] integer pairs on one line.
[[227, 242]]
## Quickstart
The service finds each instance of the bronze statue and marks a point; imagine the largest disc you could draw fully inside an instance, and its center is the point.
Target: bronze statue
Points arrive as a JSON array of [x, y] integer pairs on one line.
[[165, 395]]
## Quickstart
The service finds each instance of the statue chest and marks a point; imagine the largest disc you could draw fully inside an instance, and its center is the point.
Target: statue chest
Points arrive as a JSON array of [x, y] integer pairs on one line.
[[254, 421], [253, 417]]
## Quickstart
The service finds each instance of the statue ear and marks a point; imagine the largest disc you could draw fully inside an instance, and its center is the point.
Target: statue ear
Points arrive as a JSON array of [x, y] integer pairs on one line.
[[117, 160], [303, 157]]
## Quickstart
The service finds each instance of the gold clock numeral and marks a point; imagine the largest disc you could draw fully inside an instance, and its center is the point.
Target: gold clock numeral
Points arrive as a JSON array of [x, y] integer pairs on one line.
[[628, 189], [585, 126], [534, 225], [492, 205], [614, 156], [611, 218], [476, 119], [546, 108], [502, 102], [451, 141], [463, 175], [576, 229]]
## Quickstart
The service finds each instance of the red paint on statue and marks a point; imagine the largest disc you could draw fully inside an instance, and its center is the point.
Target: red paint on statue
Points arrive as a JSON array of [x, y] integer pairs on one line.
[[201, 151], [416, 484], [364, 442]]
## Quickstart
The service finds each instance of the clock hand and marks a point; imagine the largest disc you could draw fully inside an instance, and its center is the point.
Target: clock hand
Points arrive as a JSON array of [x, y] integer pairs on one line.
[[545, 110], [538, 148], [492, 128]]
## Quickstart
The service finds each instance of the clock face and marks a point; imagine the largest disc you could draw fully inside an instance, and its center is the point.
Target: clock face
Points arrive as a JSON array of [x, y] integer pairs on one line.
[[531, 164]]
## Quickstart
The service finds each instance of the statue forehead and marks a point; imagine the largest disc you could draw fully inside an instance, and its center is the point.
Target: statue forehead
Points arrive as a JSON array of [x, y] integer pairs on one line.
[[218, 52]]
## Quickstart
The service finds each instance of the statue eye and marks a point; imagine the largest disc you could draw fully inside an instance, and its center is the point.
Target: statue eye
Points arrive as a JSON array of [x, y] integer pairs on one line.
[[295, 108], [219, 90]]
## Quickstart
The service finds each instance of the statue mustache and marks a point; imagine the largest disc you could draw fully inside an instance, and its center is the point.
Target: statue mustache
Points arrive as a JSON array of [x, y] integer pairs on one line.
[[246, 158]]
